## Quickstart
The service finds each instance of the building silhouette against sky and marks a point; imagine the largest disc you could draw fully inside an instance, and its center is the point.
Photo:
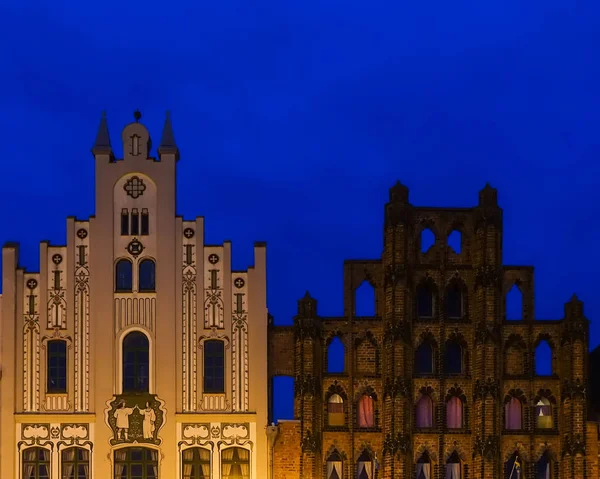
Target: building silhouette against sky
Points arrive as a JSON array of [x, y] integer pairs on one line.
[[135, 352]]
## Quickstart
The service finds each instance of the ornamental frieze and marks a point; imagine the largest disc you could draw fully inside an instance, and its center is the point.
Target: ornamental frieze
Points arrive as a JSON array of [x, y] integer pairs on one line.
[[135, 418]]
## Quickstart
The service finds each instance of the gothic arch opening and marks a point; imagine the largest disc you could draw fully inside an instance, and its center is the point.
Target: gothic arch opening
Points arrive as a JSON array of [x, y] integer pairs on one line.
[[427, 240], [455, 241], [543, 359], [364, 300], [514, 304], [336, 356]]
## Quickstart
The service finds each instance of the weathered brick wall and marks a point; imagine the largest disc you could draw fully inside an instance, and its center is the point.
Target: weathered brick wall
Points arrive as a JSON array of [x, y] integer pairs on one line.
[[287, 451], [281, 351]]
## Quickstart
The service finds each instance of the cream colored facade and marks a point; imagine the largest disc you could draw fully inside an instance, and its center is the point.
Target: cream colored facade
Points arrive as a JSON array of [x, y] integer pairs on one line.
[[74, 298]]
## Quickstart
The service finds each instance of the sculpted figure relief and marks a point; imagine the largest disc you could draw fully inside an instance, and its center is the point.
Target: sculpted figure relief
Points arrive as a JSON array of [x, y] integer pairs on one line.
[[135, 418]]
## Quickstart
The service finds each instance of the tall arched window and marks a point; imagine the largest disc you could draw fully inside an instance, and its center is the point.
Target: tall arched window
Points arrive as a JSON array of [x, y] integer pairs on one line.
[[336, 356], [454, 413], [196, 463], [136, 463], [364, 466], [455, 300], [75, 463], [235, 463], [214, 366], [335, 411], [147, 275], [513, 414], [57, 366], [453, 357], [136, 363], [366, 412], [424, 412], [543, 414], [424, 358], [36, 463], [513, 468], [423, 467], [425, 299], [453, 467], [124, 276], [334, 466]]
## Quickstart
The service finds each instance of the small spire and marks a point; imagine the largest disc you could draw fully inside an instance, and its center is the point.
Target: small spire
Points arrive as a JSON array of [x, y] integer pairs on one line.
[[137, 114], [168, 139], [102, 138]]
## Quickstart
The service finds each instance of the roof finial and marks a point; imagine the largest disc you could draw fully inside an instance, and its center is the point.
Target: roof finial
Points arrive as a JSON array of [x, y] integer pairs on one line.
[[137, 115]]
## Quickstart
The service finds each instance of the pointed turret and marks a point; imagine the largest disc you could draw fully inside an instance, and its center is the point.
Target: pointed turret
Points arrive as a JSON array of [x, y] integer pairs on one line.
[[167, 142], [102, 144]]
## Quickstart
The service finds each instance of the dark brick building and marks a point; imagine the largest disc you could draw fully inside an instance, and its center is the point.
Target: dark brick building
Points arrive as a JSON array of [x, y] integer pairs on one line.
[[438, 383]]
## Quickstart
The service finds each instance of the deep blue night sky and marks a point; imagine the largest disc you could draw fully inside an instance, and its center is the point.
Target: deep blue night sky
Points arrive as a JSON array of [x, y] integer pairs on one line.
[[294, 118]]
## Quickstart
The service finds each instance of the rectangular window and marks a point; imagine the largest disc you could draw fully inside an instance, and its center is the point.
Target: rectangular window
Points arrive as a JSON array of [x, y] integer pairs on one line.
[[135, 222], [57, 366], [213, 279], [145, 222], [124, 222], [214, 366], [57, 280], [188, 254], [31, 304], [81, 255]]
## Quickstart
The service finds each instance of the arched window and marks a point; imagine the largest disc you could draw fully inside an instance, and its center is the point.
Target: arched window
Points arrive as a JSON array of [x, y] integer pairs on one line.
[[454, 413], [36, 463], [124, 276], [514, 304], [425, 299], [424, 412], [427, 240], [453, 357], [455, 301], [513, 414], [136, 363], [196, 463], [423, 467], [335, 411], [543, 414], [364, 300], [334, 466], [214, 366], [147, 275], [513, 468], [336, 356], [364, 466], [366, 411], [136, 463], [235, 463], [453, 467], [542, 467], [424, 358], [455, 241], [57, 366], [543, 359], [75, 463]]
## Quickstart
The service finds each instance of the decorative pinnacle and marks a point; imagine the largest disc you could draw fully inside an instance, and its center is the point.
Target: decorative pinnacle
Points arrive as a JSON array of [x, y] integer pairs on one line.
[[137, 115]]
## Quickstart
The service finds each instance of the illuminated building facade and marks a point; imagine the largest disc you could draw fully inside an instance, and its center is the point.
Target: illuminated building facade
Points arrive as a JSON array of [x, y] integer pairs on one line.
[[437, 382], [127, 356]]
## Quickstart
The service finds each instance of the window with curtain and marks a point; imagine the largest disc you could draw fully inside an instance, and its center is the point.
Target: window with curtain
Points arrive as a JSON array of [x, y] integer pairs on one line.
[[453, 467], [147, 275], [424, 412], [366, 411], [453, 358], [513, 414], [136, 363], [364, 466], [454, 302], [235, 463], [423, 467], [75, 463], [513, 468], [454, 413], [214, 366], [57, 366], [334, 466], [36, 463], [136, 463], [124, 276], [424, 358], [543, 414], [424, 301], [542, 467], [335, 411], [196, 463]]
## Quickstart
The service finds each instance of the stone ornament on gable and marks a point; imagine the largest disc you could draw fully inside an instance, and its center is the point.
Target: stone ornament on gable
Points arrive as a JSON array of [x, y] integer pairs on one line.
[[135, 418]]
